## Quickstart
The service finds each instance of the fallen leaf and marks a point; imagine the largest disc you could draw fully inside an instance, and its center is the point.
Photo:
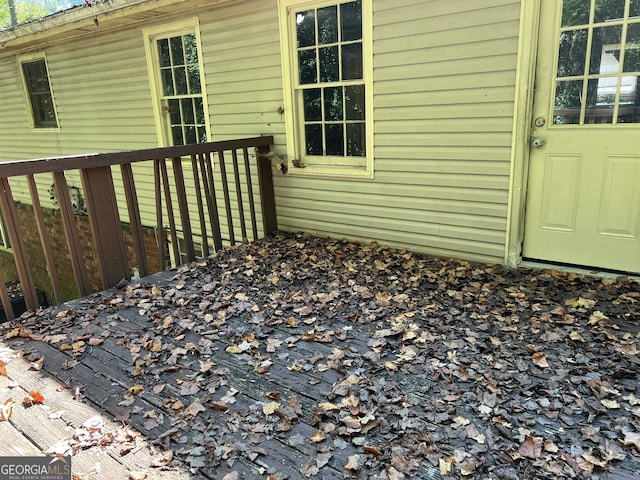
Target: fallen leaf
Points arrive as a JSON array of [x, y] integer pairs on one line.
[[372, 449], [270, 408], [531, 448], [3, 368], [632, 439], [317, 437], [610, 403], [445, 465], [540, 359], [135, 390], [354, 463], [6, 409], [33, 398]]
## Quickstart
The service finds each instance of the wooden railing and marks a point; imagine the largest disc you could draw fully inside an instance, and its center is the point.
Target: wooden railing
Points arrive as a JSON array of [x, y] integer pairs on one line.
[[213, 185]]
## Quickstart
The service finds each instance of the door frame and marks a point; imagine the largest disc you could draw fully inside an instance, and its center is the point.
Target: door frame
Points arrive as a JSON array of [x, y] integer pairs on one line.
[[530, 11]]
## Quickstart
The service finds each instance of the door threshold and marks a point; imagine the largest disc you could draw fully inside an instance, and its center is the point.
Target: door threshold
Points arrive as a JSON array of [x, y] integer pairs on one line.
[[579, 269]]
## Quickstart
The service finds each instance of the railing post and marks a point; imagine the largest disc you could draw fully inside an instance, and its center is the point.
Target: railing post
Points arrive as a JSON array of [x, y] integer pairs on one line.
[[106, 227], [17, 244], [267, 194]]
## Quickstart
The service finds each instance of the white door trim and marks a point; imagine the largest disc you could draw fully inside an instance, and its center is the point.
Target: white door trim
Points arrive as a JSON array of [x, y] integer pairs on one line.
[[522, 112]]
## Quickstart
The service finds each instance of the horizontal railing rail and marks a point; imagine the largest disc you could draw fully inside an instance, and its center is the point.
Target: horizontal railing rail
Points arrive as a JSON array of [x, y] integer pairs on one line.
[[203, 196]]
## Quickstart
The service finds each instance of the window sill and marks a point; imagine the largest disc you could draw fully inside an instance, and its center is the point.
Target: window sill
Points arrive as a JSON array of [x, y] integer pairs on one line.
[[325, 171]]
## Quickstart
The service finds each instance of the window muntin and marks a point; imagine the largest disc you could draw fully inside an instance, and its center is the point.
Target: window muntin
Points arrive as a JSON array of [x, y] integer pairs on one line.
[[38, 90], [181, 90], [598, 67]]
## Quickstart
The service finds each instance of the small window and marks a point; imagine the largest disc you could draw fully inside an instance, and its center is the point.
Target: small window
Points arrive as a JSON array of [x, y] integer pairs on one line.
[[330, 88], [35, 77]]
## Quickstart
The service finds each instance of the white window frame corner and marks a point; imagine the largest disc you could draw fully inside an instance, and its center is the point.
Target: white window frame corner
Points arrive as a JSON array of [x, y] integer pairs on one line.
[[30, 57], [292, 114]]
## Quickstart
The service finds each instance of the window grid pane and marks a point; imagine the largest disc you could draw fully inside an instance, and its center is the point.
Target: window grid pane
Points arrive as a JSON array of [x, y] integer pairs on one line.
[[597, 66], [39, 92], [329, 55], [178, 58]]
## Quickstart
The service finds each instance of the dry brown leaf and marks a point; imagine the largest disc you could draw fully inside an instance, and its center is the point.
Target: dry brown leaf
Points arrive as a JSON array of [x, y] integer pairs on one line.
[[445, 465], [6, 409], [317, 437], [372, 449], [270, 408], [33, 398], [540, 360], [137, 475], [218, 405], [531, 448], [354, 463], [610, 403], [632, 439], [94, 341], [3, 368], [135, 390]]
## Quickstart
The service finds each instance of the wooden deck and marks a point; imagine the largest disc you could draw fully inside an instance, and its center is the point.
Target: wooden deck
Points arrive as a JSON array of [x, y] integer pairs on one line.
[[232, 370]]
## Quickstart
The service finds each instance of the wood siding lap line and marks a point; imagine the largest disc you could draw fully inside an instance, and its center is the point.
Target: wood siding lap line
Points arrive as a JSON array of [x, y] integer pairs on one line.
[[135, 221], [201, 216], [45, 239]]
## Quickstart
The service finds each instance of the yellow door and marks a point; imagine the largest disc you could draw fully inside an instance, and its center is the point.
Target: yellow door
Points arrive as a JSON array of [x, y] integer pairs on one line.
[[583, 196]]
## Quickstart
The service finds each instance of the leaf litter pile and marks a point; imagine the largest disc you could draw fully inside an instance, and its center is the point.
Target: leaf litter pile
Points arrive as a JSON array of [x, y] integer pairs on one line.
[[301, 357]]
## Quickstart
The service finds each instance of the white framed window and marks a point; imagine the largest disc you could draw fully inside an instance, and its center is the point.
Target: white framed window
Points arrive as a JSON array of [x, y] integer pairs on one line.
[[37, 90], [174, 60], [327, 69]]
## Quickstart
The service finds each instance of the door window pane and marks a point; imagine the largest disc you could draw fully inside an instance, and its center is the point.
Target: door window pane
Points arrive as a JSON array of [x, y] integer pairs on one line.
[[596, 111], [573, 50], [629, 111], [575, 12], [567, 103], [613, 63], [605, 45], [632, 52], [609, 10]]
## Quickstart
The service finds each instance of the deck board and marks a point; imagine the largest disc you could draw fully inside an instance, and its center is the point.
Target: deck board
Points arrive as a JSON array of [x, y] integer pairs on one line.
[[153, 333]]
